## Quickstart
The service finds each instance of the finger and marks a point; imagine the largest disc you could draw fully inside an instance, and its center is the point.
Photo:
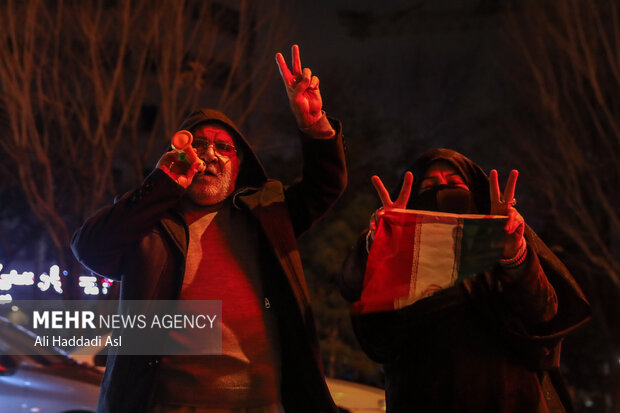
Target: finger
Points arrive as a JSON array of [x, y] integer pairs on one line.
[[166, 169], [383, 193], [405, 191], [520, 226], [304, 82], [170, 156], [183, 181], [509, 191], [296, 60], [284, 71], [493, 188], [314, 83], [511, 224], [515, 224], [193, 169], [167, 159]]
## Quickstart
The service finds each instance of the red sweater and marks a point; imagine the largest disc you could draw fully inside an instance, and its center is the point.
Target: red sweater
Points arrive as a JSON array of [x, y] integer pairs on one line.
[[223, 264]]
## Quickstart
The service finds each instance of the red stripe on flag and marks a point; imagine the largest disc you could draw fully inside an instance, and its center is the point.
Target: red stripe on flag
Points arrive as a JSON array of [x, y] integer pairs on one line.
[[417, 230], [388, 270]]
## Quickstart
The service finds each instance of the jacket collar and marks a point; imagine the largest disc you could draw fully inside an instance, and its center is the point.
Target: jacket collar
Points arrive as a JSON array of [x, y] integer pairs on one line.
[[271, 192], [175, 225]]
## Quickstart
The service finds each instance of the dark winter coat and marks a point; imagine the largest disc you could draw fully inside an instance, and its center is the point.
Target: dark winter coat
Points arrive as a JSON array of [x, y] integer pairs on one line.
[[482, 345], [142, 241]]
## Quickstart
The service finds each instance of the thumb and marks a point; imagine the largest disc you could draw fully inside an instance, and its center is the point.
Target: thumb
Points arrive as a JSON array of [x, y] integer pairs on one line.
[[193, 169]]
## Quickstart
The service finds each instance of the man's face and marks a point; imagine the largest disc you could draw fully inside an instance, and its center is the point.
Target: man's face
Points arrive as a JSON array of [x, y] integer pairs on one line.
[[216, 148]]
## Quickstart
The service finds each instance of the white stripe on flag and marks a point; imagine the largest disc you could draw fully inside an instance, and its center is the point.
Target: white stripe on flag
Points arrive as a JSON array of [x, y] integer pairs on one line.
[[436, 263]]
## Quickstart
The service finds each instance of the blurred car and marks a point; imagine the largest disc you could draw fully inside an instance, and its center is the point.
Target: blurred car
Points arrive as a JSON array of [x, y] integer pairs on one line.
[[42, 383], [356, 398], [91, 356], [350, 397]]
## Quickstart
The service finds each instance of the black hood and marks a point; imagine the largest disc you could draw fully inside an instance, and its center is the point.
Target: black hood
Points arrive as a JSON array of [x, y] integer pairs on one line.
[[472, 174], [251, 173]]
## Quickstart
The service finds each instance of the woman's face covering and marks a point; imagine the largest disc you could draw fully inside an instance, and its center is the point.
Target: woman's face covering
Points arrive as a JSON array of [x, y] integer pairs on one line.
[[443, 189], [441, 173]]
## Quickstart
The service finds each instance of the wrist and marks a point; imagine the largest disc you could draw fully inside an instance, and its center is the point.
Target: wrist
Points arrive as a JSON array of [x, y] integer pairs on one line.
[[518, 259], [318, 127]]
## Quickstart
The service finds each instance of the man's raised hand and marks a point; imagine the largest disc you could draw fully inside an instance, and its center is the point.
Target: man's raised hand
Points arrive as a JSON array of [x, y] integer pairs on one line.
[[180, 171], [302, 89]]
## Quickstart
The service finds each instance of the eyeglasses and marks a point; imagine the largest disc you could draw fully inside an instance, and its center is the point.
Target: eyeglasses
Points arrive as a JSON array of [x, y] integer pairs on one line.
[[221, 148]]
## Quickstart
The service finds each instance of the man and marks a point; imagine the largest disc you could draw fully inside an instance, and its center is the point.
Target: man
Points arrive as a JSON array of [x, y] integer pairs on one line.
[[227, 233]]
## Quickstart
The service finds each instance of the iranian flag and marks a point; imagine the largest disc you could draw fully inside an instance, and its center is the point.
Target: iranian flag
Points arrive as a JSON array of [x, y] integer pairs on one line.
[[416, 253]]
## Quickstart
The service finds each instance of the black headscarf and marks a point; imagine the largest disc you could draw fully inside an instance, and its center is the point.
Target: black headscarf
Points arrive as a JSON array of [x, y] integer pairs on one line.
[[473, 176]]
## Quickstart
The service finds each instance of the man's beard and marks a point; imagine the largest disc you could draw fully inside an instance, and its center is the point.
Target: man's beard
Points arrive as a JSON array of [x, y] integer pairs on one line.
[[209, 190]]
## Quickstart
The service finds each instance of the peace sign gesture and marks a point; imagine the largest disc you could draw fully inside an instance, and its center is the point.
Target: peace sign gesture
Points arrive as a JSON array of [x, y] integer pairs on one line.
[[400, 202], [302, 89], [500, 204], [403, 196], [504, 205]]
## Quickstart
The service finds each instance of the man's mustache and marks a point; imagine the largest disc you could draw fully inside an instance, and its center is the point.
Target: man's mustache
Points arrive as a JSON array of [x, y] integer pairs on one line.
[[213, 167]]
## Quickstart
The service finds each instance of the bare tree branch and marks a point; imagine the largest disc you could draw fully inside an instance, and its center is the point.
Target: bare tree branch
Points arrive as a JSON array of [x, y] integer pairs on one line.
[[75, 78], [571, 51]]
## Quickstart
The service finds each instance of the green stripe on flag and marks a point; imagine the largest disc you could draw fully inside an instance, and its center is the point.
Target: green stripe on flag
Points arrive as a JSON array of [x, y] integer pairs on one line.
[[481, 246]]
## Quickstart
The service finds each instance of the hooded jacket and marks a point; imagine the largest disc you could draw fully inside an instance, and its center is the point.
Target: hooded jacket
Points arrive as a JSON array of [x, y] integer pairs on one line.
[[481, 345], [142, 241]]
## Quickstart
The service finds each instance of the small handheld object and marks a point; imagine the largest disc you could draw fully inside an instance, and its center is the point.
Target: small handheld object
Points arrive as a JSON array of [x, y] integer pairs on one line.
[[182, 141]]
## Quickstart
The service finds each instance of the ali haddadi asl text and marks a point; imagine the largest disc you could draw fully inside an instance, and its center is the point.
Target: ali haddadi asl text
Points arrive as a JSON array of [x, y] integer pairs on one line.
[[75, 341]]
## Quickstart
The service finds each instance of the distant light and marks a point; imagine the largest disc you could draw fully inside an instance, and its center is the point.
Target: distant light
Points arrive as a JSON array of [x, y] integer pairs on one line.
[[7, 281], [51, 280], [89, 284], [15, 308], [105, 284], [11, 279], [588, 403]]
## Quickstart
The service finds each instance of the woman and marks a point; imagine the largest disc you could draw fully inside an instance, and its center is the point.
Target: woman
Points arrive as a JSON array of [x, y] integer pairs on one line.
[[490, 343]]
